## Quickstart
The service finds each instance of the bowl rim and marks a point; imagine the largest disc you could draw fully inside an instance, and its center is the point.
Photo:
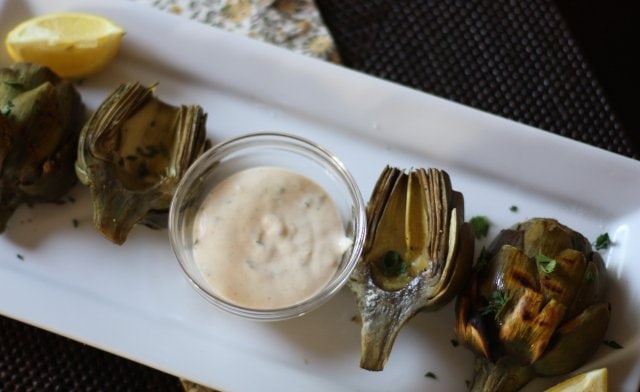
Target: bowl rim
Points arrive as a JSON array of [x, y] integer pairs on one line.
[[238, 143]]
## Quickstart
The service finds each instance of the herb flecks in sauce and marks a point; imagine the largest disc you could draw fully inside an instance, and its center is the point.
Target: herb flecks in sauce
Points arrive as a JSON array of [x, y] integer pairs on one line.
[[273, 238]]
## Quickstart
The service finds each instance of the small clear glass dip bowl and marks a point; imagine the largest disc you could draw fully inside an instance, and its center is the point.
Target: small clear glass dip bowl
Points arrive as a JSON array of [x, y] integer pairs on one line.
[[274, 150]]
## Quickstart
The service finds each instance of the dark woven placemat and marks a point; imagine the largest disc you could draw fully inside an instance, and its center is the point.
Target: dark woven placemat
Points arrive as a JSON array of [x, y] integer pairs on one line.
[[517, 59], [34, 360], [514, 59]]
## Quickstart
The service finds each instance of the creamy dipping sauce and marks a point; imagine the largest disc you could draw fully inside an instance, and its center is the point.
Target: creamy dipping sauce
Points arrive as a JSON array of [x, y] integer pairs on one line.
[[268, 238]]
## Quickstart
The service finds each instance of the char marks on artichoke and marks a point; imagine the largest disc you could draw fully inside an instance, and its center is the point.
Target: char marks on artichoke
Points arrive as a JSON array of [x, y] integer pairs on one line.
[[40, 119], [132, 153], [417, 256], [553, 316]]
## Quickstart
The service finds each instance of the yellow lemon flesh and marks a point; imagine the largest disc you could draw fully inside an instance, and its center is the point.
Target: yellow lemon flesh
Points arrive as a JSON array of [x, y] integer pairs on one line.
[[71, 44], [591, 381]]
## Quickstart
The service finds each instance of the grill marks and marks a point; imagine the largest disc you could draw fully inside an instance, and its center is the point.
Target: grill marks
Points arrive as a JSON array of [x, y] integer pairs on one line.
[[523, 278]]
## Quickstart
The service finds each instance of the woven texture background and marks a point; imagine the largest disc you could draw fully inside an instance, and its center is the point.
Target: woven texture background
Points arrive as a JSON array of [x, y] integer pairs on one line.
[[514, 59], [34, 360]]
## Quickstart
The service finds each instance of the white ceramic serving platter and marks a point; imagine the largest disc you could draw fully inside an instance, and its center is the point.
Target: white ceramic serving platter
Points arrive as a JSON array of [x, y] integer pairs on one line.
[[133, 300]]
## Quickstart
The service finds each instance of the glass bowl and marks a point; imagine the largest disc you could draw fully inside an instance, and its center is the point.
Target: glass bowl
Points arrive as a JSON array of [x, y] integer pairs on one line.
[[278, 150]]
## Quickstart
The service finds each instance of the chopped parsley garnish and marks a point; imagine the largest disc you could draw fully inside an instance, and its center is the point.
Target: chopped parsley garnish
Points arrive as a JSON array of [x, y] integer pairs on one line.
[[393, 265], [613, 344], [546, 263], [513, 208], [75, 223], [454, 343], [480, 226], [430, 375], [603, 241], [497, 304], [19, 256]]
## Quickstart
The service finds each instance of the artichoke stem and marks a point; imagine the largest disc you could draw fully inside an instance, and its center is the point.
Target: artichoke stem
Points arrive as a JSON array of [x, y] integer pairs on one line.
[[379, 331], [501, 376]]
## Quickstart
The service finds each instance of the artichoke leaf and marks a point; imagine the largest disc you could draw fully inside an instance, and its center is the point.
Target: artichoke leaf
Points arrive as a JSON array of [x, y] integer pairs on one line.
[[592, 286], [40, 119], [388, 236], [574, 341], [504, 375], [416, 223], [470, 327], [377, 204], [132, 153], [561, 284], [417, 257], [524, 321], [457, 269], [548, 237], [527, 329]]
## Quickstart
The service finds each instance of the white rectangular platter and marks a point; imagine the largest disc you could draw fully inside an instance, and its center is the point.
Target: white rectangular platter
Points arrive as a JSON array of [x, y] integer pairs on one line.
[[133, 300]]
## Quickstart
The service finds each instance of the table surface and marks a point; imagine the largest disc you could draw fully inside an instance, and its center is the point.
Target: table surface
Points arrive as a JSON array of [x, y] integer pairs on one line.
[[534, 62]]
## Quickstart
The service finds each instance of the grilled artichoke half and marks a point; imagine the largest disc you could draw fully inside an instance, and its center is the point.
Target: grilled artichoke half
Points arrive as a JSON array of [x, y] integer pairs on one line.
[[417, 256], [132, 153], [40, 119], [534, 306]]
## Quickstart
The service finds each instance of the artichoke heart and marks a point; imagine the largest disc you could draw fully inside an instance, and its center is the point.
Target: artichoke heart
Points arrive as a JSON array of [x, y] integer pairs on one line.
[[40, 119], [534, 307], [417, 256], [132, 153]]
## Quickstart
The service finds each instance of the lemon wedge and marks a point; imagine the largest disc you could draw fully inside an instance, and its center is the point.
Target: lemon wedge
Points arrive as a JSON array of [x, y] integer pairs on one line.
[[71, 44], [591, 381]]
